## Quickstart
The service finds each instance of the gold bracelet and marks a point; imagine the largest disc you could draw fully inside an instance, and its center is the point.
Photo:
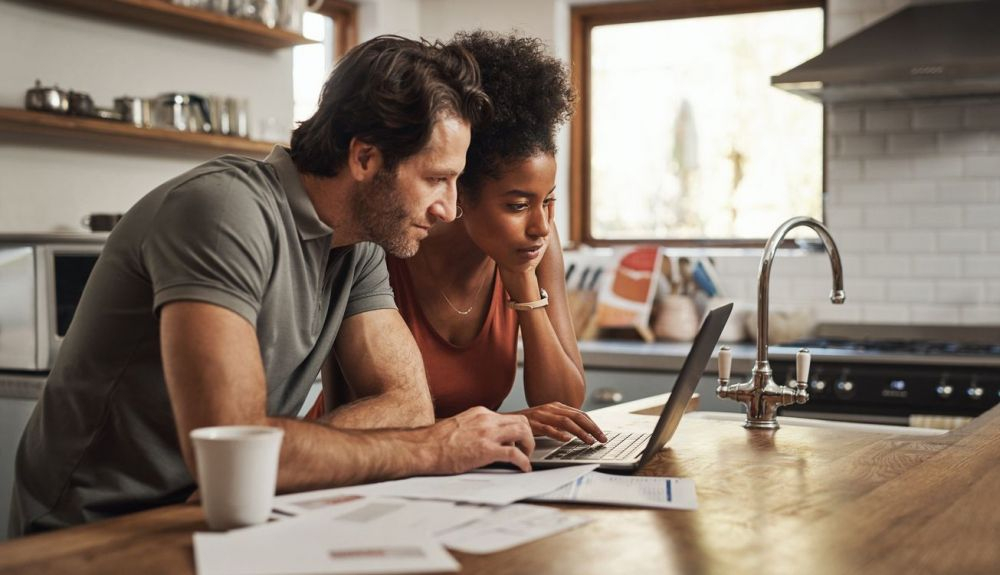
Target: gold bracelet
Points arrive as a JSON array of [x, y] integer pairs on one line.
[[530, 305]]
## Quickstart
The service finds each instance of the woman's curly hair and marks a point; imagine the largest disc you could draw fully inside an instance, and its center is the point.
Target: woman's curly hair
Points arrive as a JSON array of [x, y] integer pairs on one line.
[[532, 97]]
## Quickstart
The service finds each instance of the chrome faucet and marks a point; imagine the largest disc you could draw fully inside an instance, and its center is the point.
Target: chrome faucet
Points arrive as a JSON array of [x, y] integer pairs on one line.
[[761, 395]]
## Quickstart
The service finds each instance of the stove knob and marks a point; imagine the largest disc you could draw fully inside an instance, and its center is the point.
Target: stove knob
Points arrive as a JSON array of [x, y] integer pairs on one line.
[[974, 392], [944, 391]]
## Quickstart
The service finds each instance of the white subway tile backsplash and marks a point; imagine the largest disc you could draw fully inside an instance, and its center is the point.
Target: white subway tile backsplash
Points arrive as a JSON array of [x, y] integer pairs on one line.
[[982, 115], [937, 217], [911, 143], [865, 145], [863, 193], [843, 169], [981, 266], [888, 120], [940, 314], [959, 291], [940, 117], [957, 242], [964, 191], [939, 166], [913, 192], [886, 266], [861, 290], [964, 142], [887, 217], [981, 315], [886, 313], [984, 216], [844, 121], [913, 242], [860, 241], [887, 168], [911, 291], [838, 217], [982, 165], [992, 292], [936, 266]]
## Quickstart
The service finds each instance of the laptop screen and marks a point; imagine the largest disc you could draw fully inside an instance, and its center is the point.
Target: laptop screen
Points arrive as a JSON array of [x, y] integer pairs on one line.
[[687, 379]]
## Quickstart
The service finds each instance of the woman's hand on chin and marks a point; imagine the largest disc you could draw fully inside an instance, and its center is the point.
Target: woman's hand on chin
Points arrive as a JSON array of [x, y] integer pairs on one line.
[[562, 422]]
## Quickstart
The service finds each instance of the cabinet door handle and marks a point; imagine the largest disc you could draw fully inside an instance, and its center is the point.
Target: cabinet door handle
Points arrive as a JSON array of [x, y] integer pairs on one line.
[[606, 395]]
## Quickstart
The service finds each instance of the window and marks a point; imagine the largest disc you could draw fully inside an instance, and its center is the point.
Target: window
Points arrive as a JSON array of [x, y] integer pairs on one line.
[[333, 29], [681, 138]]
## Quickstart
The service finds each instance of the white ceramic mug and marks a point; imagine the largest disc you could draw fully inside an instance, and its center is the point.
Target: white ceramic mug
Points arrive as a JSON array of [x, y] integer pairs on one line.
[[237, 473]]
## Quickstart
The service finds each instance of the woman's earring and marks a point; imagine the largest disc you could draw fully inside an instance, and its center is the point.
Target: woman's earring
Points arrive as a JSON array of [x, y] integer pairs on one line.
[[459, 211]]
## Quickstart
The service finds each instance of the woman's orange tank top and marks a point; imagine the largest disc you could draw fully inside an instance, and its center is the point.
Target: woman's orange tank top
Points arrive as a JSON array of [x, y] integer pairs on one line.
[[480, 373]]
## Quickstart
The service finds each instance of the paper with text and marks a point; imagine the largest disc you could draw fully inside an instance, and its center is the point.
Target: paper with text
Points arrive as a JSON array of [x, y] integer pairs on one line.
[[509, 527], [629, 491], [492, 487]]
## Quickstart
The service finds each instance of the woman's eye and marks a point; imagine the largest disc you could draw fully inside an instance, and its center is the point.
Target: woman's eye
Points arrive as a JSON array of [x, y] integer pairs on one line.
[[549, 201], [518, 207]]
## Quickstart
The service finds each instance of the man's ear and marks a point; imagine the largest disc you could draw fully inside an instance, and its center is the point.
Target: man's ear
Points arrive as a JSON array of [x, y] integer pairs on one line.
[[363, 160]]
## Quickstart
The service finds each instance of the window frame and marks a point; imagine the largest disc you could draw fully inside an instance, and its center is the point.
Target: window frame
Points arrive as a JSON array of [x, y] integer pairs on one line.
[[345, 24], [583, 18]]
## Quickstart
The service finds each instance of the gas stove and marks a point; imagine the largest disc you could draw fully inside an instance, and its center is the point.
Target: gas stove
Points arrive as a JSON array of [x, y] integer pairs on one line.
[[897, 374]]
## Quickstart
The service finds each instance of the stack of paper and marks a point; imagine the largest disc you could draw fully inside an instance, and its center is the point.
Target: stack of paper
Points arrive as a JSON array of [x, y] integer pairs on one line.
[[404, 526]]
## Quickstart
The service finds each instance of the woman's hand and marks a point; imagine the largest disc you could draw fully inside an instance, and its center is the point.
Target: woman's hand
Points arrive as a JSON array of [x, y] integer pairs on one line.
[[562, 422]]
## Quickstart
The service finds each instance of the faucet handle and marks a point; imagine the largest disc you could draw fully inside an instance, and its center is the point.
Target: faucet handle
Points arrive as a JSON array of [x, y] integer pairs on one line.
[[725, 362], [802, 359]]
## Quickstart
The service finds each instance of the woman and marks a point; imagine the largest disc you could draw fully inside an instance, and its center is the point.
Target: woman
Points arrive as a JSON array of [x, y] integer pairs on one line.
[[498, 267]]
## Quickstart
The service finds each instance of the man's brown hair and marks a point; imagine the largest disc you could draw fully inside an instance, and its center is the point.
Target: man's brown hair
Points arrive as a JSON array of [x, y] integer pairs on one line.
[[388, 92]]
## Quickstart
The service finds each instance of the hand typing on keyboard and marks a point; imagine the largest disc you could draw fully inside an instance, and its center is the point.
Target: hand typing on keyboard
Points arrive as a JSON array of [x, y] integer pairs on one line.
[[562, 422], [619, 446]]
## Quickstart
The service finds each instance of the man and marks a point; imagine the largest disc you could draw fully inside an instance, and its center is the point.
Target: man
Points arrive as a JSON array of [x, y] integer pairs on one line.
[[219, 295]]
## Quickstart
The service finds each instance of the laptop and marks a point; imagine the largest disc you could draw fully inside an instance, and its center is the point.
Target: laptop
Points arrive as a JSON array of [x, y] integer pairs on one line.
[[627, 451]]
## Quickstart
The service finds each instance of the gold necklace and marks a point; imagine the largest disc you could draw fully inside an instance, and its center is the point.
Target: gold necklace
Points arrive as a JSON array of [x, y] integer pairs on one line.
[[475, 298]]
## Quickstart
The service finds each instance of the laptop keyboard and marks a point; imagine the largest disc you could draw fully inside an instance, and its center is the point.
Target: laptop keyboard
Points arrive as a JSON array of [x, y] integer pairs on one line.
[[620, 446]]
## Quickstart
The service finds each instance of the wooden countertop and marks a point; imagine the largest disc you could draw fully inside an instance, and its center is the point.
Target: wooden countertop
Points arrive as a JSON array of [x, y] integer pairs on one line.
[[799, 500]]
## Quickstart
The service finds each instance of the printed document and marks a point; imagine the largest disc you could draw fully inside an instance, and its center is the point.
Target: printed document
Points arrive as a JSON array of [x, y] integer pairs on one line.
[[356, 539], [509, 527], [486, 487], [629, 491]]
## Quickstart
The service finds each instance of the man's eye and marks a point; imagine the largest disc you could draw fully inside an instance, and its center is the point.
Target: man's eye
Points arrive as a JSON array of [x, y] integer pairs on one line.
[[517, 207], [549, 201]]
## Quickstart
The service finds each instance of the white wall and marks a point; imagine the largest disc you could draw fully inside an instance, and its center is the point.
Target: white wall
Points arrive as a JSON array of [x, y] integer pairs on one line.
[[50, 185]]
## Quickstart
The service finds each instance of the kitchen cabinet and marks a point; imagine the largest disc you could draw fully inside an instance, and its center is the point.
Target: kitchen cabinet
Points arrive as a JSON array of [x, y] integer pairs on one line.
[[205, 24]]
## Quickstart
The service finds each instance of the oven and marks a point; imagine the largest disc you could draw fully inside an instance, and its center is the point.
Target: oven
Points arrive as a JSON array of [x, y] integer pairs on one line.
[[41, 280], [929, 377]]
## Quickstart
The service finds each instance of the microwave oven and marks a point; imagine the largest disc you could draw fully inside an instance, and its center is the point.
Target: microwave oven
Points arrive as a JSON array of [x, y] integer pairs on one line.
[[41, 280]]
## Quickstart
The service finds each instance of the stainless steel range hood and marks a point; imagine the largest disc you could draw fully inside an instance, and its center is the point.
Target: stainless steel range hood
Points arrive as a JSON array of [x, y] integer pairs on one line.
[[922, 51]]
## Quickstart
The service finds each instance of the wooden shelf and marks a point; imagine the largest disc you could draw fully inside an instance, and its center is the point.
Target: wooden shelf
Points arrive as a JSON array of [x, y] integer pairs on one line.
[[110, 132], [203, 23]]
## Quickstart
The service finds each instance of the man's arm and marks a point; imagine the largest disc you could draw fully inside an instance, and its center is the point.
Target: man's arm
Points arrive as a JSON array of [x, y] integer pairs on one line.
[[215, 376], [383, 367]]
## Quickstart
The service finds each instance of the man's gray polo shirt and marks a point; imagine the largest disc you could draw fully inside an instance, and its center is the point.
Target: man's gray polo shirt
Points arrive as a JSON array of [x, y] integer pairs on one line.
[[234, 232]]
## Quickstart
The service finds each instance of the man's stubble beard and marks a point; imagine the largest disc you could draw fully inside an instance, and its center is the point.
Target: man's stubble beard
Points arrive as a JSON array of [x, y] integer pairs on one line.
[[383, 218]]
